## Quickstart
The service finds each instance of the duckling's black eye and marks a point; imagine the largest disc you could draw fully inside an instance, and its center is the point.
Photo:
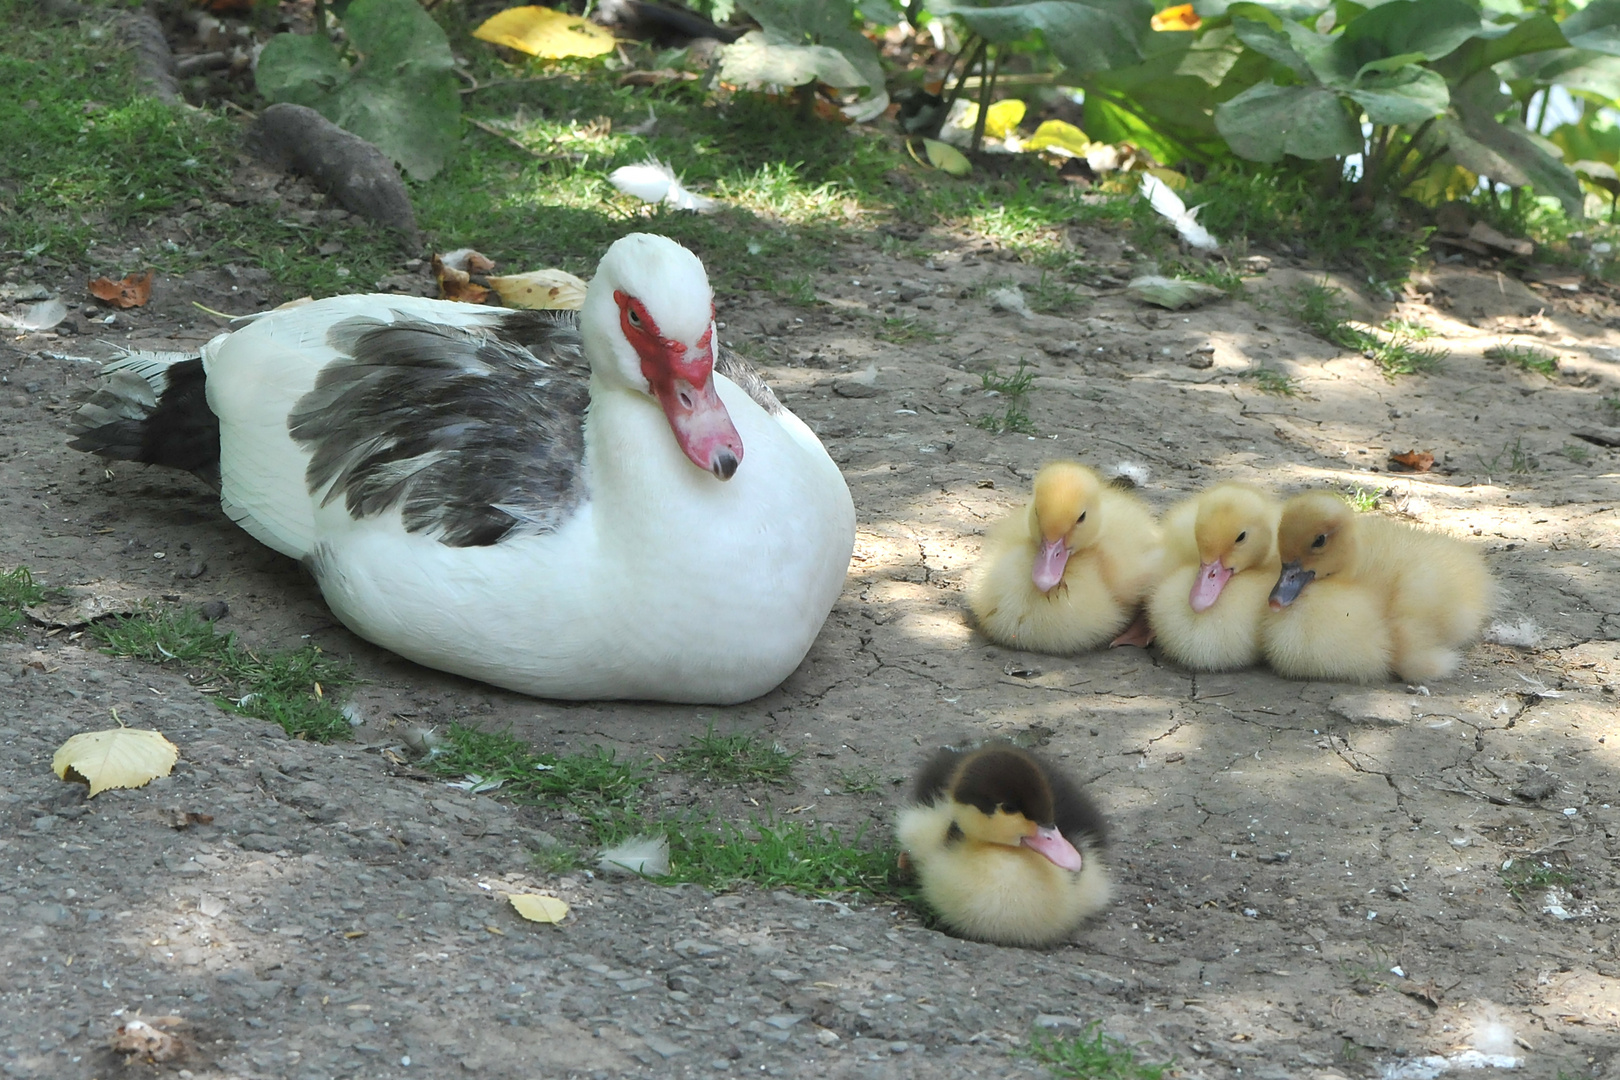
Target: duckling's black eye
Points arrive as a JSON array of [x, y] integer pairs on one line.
[[1242, 536], [1081, 520], [1007, 808], [1320, 541]]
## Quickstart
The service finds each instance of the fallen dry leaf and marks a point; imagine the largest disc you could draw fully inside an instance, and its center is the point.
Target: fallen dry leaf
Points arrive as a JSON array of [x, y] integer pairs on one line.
[[115, 758], [536, 908], [540, 289], [540, 31], [1413, 460], [454, 272], [133, 291], [149, 1040]]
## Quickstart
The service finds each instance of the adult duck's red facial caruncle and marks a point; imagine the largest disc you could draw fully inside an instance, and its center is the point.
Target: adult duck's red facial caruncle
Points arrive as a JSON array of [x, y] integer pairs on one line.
[[681, 377]]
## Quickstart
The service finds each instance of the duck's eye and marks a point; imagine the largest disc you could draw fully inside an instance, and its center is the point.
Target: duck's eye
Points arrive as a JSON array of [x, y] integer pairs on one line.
[[1320, 541], [1081, 520], [1007, 808], [1242, 536], [635, 318]]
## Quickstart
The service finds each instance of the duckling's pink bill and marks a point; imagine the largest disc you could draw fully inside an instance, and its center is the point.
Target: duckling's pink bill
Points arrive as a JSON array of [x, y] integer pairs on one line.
[[1056, 847], [1050, 560], [1212, 578]]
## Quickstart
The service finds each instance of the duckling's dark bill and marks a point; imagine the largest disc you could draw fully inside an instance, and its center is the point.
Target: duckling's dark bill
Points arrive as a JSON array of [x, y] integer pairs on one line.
[[1290, 584]]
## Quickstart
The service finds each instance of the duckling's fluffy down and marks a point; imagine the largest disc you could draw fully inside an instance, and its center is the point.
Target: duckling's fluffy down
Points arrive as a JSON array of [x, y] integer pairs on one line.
[[1005, 895]]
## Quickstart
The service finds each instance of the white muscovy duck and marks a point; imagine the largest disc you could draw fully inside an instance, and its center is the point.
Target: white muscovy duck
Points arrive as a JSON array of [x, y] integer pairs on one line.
[[604, 506]]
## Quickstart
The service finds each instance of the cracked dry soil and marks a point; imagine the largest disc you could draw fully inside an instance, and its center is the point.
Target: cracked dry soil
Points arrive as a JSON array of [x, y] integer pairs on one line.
[[1310, 875]]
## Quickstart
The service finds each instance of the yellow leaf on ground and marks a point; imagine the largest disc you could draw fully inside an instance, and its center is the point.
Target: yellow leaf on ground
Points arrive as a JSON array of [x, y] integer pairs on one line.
[[1171, 178], [119, 757], [540, 31], [1002, 118], [1059, 135], [946, 157], [536, 908], [540, 289], [1180, 17]]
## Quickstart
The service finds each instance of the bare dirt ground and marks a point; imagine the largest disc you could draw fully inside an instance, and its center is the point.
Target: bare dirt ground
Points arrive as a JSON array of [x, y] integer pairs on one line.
[[1310, 875]]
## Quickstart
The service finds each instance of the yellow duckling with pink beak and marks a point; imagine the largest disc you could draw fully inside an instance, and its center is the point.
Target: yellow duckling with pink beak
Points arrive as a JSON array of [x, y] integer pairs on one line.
[[1065, 573]]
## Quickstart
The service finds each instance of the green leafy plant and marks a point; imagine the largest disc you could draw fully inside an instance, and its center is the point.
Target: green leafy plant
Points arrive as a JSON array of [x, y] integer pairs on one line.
[[1362, 500], [594, 781], [392, 84], [1521, 876], [805, 43]]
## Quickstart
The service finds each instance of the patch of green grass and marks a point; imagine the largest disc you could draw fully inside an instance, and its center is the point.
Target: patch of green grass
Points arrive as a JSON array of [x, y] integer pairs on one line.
[[1522, 876], [902, 331], [1272, 381], [734, 759], [1580, 455], [1325, 313], [1281, 208], [294, 688], [859, 781], [1409, 329], [1362, 500], [1612, 404], [1053, 297], [1525, 358], [775, 854], [1210, 272], [798, 289], [1091, 1055], [557, 859], [594, 781], [1014, 390], [89, 157], [17, 591], [1514, 456]]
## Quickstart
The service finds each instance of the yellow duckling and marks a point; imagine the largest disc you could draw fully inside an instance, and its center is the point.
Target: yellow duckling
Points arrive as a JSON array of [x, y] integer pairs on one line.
[[1360, 595], [1221, 548], [1004, 847], [1066, 573]]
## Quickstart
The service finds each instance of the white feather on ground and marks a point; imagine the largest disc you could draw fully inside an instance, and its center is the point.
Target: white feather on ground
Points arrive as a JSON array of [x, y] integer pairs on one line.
[[652, 181], [1169, 204], [1133, 471], [1521, 634], [638, 855]]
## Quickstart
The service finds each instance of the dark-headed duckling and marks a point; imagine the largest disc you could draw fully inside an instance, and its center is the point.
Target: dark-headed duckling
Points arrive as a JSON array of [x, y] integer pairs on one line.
[[1004, 846]]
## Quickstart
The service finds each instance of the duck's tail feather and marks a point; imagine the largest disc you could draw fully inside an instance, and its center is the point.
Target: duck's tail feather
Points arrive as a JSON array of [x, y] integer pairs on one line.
[[152, 407]]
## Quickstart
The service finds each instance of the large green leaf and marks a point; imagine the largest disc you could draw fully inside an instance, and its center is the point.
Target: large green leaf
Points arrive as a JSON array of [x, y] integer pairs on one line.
[[1579, 69], [1596, 27], [1408, 95], [1514, 46], [1084, 35], [1504, 151], [1274, 43], [802, 42], [753, 60], [1267, 121], [400, 95], [1430, 28]]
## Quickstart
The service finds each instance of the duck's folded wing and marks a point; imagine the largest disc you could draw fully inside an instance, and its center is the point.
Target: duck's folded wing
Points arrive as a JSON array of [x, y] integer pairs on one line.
[[474, 433]]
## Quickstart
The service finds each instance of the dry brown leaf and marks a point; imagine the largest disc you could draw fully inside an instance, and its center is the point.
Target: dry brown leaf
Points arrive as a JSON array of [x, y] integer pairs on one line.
[[115, 758], [536, 908], [454, 272], [1413, 460], [133, 291], [149, 1039], [540, 289]]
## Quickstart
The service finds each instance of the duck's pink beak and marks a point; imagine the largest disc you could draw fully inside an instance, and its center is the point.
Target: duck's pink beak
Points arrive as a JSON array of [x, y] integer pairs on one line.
[[1212, 578], [1050, 560], [681, 377], [1056, 847], [701, 425]]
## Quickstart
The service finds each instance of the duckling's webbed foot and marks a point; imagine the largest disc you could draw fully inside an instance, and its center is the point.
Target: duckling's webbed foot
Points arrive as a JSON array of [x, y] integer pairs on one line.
[[1139, 633]]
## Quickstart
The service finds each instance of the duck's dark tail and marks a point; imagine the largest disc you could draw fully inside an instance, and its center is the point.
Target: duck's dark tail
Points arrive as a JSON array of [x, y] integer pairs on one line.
[[152, 407]]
